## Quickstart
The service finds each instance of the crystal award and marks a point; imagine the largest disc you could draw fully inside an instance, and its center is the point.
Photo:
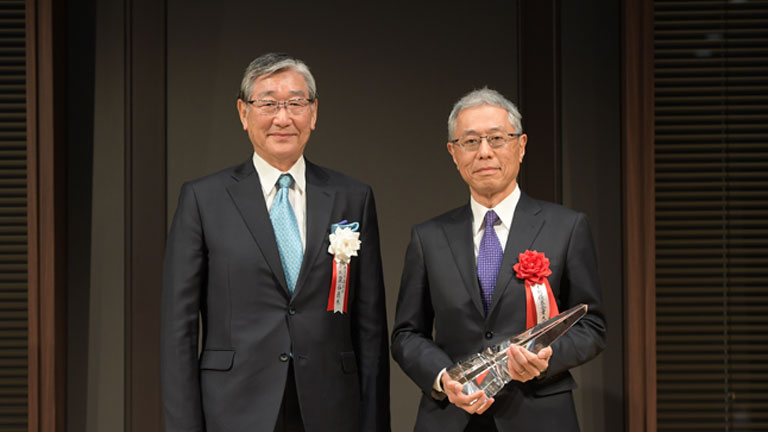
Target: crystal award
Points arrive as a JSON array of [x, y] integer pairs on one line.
[[488, 371]]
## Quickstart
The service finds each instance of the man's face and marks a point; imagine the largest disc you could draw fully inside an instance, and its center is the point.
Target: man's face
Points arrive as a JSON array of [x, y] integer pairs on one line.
[[489, 172], [279, 138]]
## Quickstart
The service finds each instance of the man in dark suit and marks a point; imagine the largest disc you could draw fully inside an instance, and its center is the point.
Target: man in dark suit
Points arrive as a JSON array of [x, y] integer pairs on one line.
[[294, 336], [461, 292]]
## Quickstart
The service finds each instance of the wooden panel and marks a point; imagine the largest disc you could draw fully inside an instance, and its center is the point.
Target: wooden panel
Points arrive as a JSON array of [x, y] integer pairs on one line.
[[639, 281], [46, 201]]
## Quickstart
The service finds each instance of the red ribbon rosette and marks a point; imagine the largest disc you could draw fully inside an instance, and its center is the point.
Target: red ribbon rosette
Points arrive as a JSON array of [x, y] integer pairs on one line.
[[533, 267]]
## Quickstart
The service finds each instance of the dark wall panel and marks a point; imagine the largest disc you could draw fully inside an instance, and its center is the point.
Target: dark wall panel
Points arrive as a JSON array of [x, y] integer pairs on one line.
[[387, 78], [145, 138], [591, 167], [540, 98]]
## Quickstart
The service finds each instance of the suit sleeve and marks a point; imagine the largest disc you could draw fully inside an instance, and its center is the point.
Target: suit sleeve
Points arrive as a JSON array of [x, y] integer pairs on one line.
[[412, 345], [580, 284], [184, 275], [369, 324]]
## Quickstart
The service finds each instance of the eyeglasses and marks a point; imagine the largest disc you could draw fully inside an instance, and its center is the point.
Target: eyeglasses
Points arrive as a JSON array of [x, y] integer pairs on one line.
[[472, 142], [268, 107]]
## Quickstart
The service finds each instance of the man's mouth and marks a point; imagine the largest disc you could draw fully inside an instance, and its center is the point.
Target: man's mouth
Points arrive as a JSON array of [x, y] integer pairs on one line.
[[487, 170], [281, 136]]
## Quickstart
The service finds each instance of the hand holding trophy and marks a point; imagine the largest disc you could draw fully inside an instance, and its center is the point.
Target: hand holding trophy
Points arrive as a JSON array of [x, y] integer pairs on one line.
[[488, 371]]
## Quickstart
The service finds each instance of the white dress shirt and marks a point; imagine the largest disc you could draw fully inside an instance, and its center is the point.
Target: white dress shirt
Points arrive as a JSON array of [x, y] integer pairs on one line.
[[505, 210], [297, 194]]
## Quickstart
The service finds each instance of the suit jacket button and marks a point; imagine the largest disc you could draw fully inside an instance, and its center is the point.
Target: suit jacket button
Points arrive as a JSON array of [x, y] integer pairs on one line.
[[283, 357], [291, 310], [489, 334]]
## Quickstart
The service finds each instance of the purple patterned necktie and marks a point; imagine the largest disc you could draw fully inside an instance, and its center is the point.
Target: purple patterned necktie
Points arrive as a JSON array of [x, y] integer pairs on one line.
[[489, 259]]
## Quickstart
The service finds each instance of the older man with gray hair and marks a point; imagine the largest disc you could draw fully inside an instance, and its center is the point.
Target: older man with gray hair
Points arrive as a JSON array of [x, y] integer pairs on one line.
[[279, 258], [468, 283]]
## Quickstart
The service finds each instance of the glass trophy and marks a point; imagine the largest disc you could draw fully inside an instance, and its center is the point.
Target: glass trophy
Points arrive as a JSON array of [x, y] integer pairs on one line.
[[488, 371]]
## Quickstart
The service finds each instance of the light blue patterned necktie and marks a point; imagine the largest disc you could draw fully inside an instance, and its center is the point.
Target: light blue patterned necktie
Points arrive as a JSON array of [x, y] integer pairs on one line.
[[286, 231], [489, 259]]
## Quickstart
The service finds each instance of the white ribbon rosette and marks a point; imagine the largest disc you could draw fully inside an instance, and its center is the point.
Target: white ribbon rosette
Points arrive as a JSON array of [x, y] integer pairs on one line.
[[344, 244]]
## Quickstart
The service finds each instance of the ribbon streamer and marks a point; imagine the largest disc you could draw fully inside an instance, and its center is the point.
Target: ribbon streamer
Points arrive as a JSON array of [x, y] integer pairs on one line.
[[337, 300], [540, 303]]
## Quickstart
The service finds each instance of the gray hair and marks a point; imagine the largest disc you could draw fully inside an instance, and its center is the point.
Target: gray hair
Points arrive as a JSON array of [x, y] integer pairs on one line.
[[271, 63], [485, 96]]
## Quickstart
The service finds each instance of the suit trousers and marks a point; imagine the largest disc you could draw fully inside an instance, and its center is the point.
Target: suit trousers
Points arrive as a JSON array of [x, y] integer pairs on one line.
[[481, 423], [289, 417]]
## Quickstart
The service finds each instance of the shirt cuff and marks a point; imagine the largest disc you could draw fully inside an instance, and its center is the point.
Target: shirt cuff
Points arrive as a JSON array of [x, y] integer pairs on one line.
[[437, 386]]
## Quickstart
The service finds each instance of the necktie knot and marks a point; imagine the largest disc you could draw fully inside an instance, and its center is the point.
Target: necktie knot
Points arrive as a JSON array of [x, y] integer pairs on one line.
[[284, 181], [490, 218]]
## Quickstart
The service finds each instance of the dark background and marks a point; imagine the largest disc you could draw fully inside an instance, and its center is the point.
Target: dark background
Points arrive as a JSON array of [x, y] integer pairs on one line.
[[387, 77]]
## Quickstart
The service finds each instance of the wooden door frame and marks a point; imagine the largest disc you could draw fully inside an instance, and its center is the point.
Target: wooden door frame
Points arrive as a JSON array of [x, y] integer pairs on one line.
[[46, 88], [46, 217], [639, 221]]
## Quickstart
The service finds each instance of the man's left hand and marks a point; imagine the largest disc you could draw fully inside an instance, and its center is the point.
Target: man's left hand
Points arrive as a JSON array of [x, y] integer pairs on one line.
[[525, 365]]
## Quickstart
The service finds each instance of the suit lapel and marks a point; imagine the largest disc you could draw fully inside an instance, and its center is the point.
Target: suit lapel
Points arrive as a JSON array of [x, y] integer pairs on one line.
[[525, 228], [319, 206], [459, 235], [248, 196]]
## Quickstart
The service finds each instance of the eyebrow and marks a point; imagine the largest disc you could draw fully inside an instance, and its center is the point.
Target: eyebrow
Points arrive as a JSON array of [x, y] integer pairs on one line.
[[474, 132], [272, 92]]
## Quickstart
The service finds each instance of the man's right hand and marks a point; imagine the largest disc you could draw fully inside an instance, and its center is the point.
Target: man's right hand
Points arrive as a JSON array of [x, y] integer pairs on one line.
[[476, 403]]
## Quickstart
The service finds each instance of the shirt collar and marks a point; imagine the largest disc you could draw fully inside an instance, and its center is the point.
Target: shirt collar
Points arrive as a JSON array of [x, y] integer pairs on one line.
[[505, 210], [268, 174]]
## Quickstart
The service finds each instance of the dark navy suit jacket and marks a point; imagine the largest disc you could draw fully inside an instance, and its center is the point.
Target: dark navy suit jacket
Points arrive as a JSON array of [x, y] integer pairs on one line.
[[222, 264], [440, 318]]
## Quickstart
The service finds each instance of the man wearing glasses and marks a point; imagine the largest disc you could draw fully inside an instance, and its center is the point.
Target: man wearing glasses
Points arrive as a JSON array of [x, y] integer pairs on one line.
[[486, 271], [280, 259]]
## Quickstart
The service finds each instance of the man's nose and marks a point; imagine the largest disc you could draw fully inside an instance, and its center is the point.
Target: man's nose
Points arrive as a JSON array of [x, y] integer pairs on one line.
[[485, 148], [281, 116]]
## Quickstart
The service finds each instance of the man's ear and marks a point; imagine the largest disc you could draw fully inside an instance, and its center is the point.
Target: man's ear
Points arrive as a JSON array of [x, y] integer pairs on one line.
[[242, 111], [313, 122], [522, 141], [451, 150]]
